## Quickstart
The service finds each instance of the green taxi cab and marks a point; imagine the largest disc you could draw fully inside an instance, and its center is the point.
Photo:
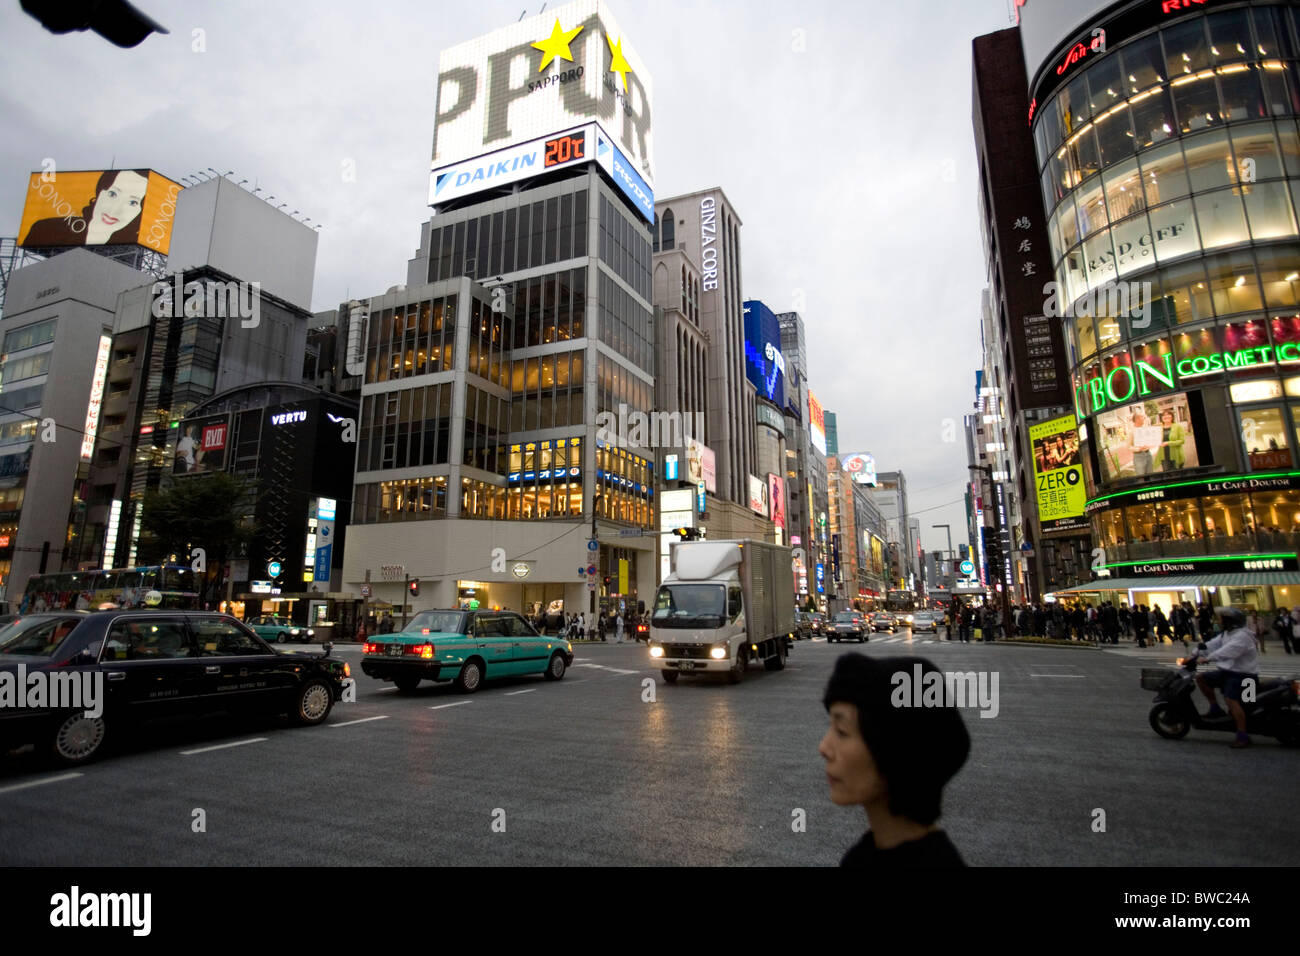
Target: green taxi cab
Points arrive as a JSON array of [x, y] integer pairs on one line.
[[467, 647], [280, 629]]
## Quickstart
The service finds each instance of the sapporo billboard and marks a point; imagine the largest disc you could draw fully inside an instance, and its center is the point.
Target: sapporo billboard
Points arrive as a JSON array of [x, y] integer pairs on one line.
[[563, 68], [106, 207], [1058, 473]]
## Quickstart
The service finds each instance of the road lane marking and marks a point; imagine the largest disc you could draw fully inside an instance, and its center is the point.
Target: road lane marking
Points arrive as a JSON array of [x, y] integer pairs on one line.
[[616, 670], [361, 720], [1080, 676], [453, 704], [39, 783], [513, 692], [237, 743]]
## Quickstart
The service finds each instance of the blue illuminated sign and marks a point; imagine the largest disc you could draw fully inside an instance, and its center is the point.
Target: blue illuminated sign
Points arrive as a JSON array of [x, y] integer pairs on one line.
[[764, 363]]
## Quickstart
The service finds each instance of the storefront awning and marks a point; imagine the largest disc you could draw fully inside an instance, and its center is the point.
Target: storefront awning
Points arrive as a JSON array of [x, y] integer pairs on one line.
[[1175, 582]]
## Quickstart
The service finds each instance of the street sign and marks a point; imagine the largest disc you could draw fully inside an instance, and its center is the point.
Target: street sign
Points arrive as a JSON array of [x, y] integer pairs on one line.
[[365, 590], [593, 545], [591, 569], [633, 533], [274, 569], [591, 584], [967, 568]]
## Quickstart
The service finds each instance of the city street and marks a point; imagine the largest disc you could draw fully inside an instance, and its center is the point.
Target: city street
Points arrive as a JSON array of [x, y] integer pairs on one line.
[[585, 772]]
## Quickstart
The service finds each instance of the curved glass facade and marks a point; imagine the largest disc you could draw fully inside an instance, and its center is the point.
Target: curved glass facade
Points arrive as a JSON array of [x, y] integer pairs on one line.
[[1170, 169]]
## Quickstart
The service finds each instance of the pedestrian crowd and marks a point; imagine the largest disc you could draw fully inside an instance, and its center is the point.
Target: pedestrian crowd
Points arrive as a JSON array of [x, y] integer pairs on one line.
[[1106, 623]]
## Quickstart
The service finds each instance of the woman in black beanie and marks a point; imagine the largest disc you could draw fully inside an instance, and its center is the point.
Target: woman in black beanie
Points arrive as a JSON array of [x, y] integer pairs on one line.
[[893, 758]]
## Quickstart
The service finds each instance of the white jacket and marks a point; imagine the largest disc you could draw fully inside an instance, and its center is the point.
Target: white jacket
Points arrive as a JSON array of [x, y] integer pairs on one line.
[[1234, 650]]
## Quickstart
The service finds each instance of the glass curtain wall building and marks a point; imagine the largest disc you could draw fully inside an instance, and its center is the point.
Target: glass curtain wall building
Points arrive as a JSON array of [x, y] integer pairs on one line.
[[1169, 158]]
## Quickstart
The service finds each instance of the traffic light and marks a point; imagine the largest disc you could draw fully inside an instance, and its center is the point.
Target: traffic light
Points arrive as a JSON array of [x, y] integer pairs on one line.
[[687, 534], [414, 587], [115, 20]]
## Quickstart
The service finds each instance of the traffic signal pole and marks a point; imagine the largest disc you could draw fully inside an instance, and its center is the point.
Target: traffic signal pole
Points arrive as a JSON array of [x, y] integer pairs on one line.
[[406, 592]]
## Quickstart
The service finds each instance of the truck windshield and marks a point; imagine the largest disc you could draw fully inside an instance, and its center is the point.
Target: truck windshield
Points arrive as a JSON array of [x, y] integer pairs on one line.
[[690, 605]]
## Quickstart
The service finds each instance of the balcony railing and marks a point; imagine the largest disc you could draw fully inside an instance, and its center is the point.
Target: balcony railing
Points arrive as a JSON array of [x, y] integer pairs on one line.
[[1263, 542]]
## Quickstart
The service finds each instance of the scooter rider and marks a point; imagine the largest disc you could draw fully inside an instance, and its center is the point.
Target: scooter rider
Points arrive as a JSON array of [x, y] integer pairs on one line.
[[1236, 653]]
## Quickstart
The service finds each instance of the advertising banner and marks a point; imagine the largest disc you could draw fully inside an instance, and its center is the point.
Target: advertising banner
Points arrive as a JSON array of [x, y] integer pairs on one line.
[[702, 465], [1058, 470], [758, 496], [566, 67], [202, 445], [108, 207], [816, 423], [861, 467], [1146, 438], [764, 363], [776, 499]]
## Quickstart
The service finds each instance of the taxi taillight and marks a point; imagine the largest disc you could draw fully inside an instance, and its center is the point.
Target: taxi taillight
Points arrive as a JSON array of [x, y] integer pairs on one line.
[[423, 651], [369, 648]]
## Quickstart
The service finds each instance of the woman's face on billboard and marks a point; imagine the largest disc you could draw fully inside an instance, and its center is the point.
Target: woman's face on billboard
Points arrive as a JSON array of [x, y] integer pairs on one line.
[[120, 203]]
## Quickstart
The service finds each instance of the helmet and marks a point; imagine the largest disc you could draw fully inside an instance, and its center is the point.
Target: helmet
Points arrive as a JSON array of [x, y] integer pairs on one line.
[[1231, 617]]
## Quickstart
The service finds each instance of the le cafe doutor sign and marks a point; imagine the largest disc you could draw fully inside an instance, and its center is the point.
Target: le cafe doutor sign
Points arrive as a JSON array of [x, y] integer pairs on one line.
[[1194, 489]]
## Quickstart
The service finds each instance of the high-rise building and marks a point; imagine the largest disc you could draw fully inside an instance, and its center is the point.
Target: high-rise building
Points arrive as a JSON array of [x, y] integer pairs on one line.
[[707, 229], [1169, 167], [1024, 355], [508, 386], [58, 390]]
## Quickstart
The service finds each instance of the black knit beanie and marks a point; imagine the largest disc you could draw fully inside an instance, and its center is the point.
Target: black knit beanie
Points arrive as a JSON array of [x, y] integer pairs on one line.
[[917, 749]]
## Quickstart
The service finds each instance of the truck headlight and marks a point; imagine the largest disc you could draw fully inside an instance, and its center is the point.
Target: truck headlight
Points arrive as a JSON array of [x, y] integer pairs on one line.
[[656, 651], [718, 653]]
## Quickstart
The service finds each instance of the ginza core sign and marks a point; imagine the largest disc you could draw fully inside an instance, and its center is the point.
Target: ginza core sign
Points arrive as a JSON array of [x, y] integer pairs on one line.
[[560, 70]]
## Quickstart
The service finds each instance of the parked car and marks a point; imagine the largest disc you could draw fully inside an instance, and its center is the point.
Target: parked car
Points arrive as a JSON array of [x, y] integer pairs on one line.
[[927, 621], [804, 625], [153, 665], [467, 647], [882, 621], [280, 629], [847, 625]]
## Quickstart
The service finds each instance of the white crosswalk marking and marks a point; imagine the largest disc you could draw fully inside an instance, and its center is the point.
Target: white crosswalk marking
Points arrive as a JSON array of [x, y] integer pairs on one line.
[[616, 670]]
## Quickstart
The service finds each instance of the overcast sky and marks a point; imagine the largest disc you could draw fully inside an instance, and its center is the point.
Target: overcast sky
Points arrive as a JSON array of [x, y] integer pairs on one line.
[[851, 163]]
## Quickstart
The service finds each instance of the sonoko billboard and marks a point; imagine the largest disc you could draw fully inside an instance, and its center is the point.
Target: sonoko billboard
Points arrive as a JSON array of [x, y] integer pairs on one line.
[[1125, 379], [108, 207], [550, 73]]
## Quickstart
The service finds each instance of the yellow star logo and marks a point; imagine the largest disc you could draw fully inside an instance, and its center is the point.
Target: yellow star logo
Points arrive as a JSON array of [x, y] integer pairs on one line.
[[557, 44], [618, 64]]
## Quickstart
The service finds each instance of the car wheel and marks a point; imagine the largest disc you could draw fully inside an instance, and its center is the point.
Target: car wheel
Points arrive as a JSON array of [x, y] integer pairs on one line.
[[406, 684], [1168, 723], [77, 739], [315, 699], [281, 637], [777, 661], [470, 676], [670, 677], [737, 672], [555, 670]]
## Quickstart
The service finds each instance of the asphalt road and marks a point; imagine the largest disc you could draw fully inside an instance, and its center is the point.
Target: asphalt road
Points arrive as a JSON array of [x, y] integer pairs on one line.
[[587, 772]]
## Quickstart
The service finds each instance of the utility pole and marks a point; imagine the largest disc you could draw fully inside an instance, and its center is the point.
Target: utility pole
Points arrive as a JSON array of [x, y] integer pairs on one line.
[[594, 556], [1005, 600]]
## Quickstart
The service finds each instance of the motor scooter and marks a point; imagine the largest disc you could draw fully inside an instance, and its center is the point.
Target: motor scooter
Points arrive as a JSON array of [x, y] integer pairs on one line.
[[1275, 712]]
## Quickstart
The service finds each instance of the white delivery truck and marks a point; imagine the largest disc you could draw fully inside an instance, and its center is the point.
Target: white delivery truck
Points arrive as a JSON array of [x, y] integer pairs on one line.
[[723, 604]]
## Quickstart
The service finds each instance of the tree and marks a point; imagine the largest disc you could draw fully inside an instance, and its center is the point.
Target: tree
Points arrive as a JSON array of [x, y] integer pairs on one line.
[[211, 512]]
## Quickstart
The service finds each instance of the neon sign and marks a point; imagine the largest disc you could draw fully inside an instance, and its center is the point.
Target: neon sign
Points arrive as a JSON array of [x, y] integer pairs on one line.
[[1079, 51], [1173, 6], [1124, 382]]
